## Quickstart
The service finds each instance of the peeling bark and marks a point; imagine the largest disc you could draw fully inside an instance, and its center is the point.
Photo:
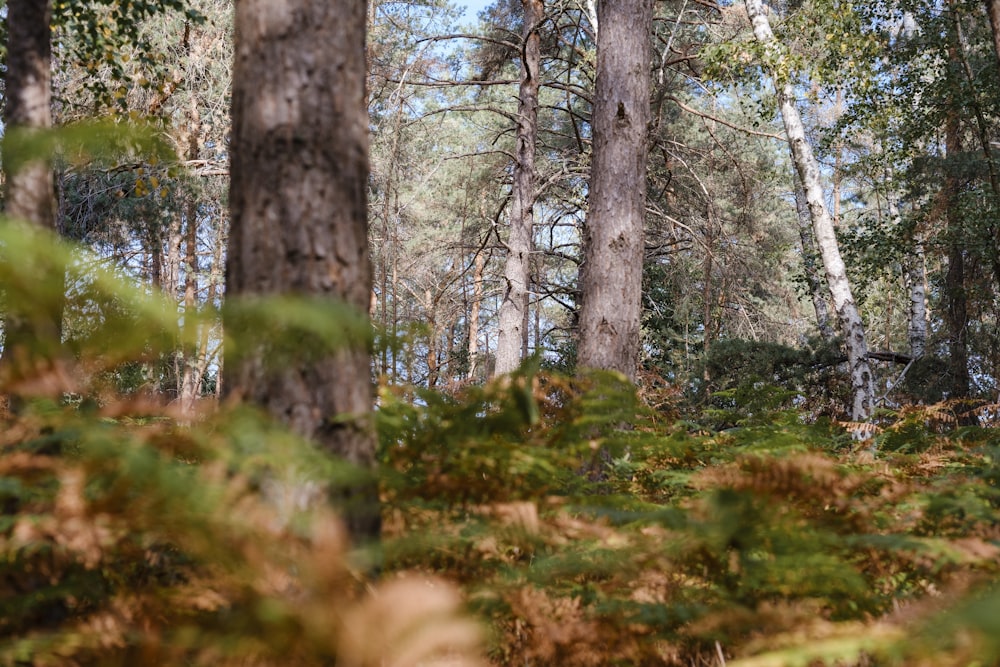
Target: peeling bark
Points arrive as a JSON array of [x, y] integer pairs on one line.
[[813, 280], [916, 280]]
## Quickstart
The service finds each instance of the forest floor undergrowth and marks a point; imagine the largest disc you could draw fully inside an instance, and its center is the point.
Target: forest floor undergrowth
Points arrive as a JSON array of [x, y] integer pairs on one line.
[[542, 520]]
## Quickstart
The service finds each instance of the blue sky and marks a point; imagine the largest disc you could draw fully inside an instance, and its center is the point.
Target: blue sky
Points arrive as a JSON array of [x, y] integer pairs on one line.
[[473, 7]]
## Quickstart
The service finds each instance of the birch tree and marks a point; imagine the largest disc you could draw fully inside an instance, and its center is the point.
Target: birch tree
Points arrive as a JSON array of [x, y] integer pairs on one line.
[[816, 291], [851, 326], [611, 275]]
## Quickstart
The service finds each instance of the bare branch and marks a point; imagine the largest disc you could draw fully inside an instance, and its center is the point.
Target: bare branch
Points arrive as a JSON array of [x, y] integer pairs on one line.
[[720, 121]]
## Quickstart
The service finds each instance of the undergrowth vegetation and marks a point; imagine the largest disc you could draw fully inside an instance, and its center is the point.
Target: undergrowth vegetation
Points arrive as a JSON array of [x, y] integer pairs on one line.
[[539, 520]]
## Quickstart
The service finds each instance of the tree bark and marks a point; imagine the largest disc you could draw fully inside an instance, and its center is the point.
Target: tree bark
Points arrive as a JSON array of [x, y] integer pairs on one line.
[[32, 336], [474, 308], [513, 307], [851, 326], [30, 192], [915, 284], [957, 310], [298, 198], [611, 275], [993, 10], [816, 291], [190, 378]]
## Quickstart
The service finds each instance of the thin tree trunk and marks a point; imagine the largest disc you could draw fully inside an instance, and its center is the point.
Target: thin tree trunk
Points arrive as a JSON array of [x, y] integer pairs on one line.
[[915, 284], [916, 279], [851, 326], [706, 301], [813, 280], [394, 337], [477, 304], [433, 336], [513, 308], [215, 276], [171, 281], [526, 324], [838, 160], [390, 212], [954, 281], [298, 197], [611, 275], [190, 383], [993, 10], [959, 52], [156, 260]]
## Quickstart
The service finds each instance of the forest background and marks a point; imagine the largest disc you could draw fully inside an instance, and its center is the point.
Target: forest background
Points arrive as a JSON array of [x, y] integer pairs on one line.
[[727, 498]]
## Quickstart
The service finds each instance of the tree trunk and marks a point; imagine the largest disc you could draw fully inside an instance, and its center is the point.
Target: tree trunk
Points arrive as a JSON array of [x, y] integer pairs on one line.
[[433, 339], [916, 279], [813, 280], [30, 336], [993, 10], [190, 382], [298, 197], [611, 275], [474, 308], [513, 308], [851, 326], [190, 386], [30, 192], [915, 285], [954, 280]]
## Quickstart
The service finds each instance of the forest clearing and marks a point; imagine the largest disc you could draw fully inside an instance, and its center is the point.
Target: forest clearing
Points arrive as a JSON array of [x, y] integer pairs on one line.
[[578, 332]]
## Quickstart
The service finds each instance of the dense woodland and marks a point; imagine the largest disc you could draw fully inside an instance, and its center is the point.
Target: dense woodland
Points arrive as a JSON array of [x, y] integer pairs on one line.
[[581, 332]]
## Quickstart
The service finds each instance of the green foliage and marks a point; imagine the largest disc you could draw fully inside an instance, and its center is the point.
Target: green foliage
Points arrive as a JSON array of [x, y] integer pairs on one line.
[[103, 36], [582, 527], [771, 539], [755, 379], [91, 143], [127, 538]]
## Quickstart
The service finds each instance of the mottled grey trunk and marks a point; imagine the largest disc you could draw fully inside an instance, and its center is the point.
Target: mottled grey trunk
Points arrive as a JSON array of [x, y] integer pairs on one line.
[[30, 193], [298, 198], [916, 287], [516, 273], [817, 290], [611, 275], [851, 326]]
